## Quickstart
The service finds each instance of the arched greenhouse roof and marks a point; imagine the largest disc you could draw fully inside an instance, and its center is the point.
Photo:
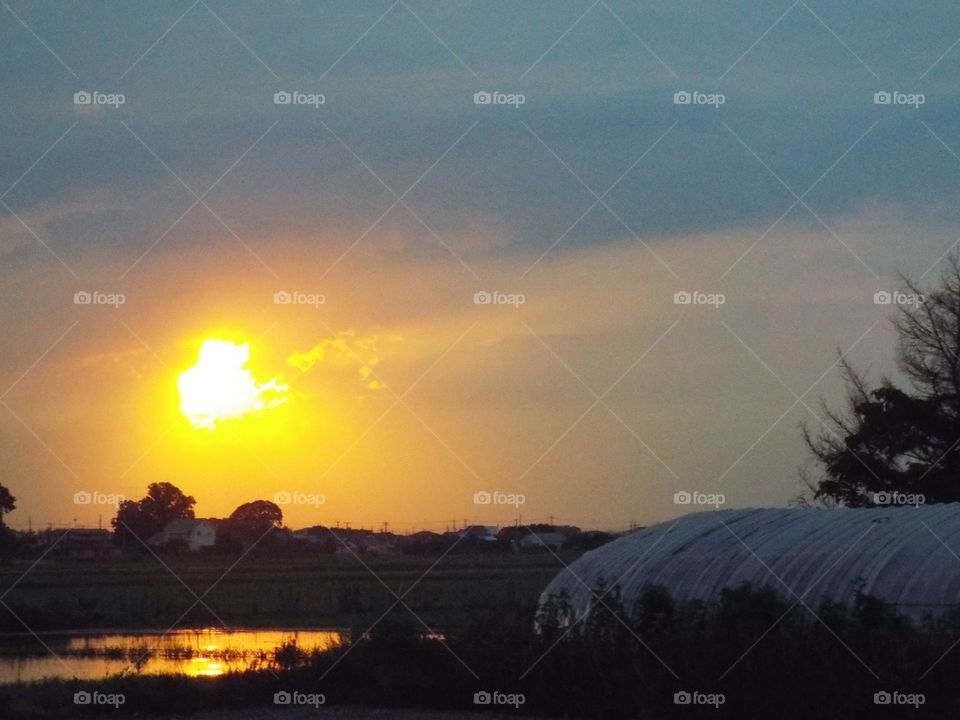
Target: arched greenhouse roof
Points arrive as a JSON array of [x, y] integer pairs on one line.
[[908, 557]]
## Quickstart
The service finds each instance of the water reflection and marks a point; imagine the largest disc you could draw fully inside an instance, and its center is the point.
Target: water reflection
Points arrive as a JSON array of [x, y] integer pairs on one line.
[[208, 652], [204, 667]]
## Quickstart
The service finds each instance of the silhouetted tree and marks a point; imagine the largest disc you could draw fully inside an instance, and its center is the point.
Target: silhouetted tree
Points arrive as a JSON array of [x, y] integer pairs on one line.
[[7, 502], [892, 439], [162, 504], [252, 520], [8, 539]]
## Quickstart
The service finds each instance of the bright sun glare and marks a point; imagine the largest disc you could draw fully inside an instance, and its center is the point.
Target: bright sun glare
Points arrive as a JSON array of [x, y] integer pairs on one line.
[[220, 387]]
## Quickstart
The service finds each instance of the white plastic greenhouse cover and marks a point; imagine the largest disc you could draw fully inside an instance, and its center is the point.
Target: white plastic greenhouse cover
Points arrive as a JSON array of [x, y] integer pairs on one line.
[[904, 556]]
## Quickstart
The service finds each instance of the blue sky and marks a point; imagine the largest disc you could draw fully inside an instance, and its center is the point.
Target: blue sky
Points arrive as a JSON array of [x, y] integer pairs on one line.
[[598, 97]]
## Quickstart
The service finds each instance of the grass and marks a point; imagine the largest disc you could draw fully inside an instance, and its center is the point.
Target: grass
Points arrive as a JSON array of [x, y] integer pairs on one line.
[[324, 591], [797, 671]]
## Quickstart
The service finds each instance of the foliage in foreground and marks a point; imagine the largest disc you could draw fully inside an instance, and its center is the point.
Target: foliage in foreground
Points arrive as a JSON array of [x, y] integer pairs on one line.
[[768, 657]]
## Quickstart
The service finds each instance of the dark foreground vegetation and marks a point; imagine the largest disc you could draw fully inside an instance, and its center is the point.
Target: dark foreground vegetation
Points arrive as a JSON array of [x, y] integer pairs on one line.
[[268, 591], [766, 659]]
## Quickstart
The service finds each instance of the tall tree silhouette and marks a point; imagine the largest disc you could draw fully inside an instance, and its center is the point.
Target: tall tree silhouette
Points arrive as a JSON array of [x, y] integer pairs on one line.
[[904, 439], [7, 502], [137, 520]]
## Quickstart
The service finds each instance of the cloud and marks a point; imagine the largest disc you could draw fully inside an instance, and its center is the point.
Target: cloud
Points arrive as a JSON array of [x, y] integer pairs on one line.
[[799, 99], [17, 231], [345, 350]]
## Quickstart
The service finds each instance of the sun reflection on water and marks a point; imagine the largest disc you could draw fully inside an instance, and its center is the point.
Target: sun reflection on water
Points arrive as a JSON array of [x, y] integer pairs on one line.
[[204, 667], [207, 652]]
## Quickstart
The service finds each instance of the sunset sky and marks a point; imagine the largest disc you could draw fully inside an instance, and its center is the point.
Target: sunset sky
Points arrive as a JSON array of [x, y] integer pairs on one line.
[[198, 199]]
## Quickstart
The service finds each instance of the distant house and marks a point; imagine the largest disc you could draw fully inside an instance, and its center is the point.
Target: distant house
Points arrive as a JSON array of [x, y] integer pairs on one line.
[[423, 543], [480, 533], [382, 543], [423, 537], [74, 544], [543, 541], [350, 542], [193, 533], [308, 535]]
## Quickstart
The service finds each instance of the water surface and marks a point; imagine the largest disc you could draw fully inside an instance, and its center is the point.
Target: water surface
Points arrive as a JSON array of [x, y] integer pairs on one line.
[[195, 653]]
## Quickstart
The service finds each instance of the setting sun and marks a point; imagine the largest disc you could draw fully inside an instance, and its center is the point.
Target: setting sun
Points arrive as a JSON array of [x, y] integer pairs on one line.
[[221, 387]]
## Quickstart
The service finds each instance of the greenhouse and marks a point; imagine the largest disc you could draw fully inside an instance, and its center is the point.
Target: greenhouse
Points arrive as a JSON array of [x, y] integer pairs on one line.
[[906, 557]]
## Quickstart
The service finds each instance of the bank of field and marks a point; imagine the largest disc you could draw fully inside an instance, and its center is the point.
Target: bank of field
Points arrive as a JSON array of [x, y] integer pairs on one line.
[[326, 591]]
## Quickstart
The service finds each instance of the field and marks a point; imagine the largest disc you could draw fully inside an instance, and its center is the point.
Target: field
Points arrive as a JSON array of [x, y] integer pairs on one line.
[[356, 713], [800, 670], [324, 591]]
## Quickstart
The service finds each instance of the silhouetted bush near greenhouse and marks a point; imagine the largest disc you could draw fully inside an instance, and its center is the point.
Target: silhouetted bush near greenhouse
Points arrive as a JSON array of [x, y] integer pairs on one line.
[[767, 656]]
